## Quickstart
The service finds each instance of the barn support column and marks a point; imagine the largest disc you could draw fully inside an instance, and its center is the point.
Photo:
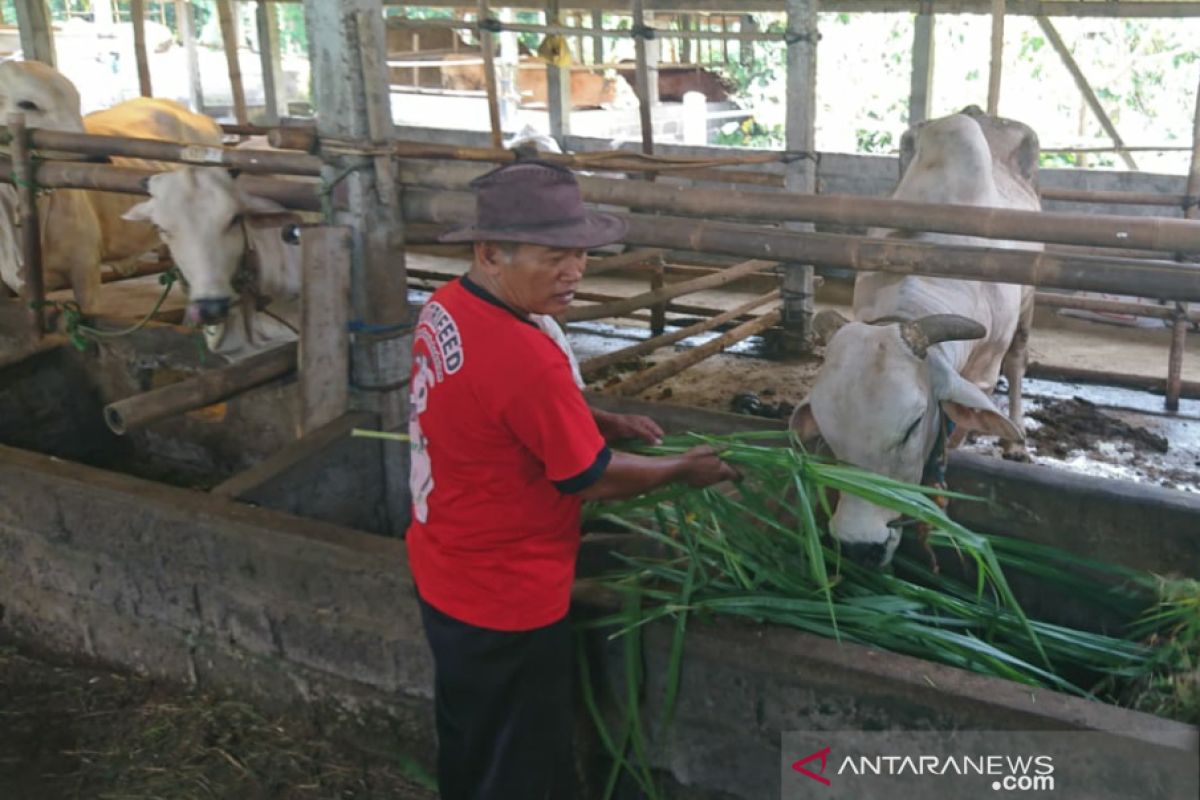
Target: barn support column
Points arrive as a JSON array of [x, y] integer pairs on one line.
[[597, 41], [346, 48], [186, 16], [646, 74], [229, 38], [33, 18], [272, 65], [1191, 210], [137, 14], [558, 88], [997, 62], [921, 91], [801, 175]]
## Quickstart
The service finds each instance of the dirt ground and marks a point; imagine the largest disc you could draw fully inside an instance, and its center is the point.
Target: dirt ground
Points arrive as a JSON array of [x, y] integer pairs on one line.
[[72, 731]]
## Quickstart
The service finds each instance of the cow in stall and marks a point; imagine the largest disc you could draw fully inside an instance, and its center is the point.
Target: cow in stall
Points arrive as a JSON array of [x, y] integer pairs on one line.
[[82, 229], [916, 365], [239, 256]]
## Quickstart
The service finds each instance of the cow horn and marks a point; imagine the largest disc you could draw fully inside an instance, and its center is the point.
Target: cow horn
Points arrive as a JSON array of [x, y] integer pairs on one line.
[[826, 323], [921, 333]]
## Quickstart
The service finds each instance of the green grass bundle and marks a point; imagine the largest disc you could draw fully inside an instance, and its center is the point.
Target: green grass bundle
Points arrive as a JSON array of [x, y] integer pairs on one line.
[[760, 552]]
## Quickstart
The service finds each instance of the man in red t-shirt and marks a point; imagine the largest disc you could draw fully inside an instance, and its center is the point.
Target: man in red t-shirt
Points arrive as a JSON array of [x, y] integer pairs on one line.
[[504, 452]]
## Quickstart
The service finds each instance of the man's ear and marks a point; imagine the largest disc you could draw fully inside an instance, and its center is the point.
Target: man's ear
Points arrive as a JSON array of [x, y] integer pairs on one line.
[[140, 212], [970, 408], [804, 425]]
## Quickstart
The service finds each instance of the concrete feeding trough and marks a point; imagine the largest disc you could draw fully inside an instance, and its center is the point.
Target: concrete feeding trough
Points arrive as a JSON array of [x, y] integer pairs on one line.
[[214, 548]]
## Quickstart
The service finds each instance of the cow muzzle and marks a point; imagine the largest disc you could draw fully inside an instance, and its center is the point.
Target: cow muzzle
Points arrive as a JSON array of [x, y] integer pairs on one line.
[[207, 311]]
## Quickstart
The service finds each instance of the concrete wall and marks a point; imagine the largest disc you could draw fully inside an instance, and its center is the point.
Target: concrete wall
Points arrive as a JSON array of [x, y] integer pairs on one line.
[[201, 590]]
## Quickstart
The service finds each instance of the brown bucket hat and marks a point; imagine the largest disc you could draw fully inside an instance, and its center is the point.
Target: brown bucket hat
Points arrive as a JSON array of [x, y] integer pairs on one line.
[[535, 202]]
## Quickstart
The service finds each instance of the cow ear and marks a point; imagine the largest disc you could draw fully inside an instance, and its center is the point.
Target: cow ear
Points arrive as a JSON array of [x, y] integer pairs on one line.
[[139, 213], [971, 409], [804, 425]]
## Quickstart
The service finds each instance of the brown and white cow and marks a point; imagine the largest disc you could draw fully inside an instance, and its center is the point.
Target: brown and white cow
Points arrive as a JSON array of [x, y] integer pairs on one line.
[[83, 229], [922, 350]]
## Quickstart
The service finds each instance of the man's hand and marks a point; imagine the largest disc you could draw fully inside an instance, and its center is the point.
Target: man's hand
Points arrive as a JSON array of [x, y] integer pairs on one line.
[[702, 468], [615, 427]]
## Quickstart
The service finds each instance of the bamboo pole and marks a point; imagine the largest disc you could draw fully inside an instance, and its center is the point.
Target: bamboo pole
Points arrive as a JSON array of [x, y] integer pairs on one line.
[[641, 381], [636, 258], [34, 27], [1115, 198], [647, 299], [185, 16], [33, 289], [1142, 278], [1085, 88], [248, 160], [1099, 230], [131, 180], [204, 389], [800, 176], [642, 78], [486, 45], [230, 42], [137, 13], [997, 61], [658, 311], [593, 366], [271, 65], [1049, 300]]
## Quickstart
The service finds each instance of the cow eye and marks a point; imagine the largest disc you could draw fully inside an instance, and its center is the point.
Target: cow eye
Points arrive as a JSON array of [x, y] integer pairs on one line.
[[27, 105], [911, 430], [237, 220]]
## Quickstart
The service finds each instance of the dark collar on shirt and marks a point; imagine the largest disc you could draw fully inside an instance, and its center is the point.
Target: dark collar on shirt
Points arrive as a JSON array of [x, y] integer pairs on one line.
[[486, 296]]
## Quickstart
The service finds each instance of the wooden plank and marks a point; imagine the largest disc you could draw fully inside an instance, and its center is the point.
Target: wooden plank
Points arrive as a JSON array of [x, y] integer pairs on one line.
[[1081, 81], [920, 93], [230, 41], [324, 358], [655, 296], [137, 13], [272, 63], [593, 366], [185, 14], [308, 446], [33, 19]]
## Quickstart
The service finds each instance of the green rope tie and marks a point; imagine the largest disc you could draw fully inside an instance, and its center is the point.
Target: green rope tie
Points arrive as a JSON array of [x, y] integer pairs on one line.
[[79, 333]]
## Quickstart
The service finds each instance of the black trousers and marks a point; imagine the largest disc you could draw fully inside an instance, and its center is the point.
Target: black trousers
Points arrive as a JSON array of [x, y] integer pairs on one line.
[[504, 710]]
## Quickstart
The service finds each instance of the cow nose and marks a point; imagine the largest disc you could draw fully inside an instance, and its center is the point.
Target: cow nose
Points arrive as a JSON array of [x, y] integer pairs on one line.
[[866, 554], [209, 309]]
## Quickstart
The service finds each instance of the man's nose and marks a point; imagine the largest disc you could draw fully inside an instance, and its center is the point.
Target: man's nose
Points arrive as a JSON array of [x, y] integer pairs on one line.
[[576, 264]]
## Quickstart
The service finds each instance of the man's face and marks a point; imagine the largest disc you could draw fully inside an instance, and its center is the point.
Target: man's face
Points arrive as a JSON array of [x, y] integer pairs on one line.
[[535, 279]]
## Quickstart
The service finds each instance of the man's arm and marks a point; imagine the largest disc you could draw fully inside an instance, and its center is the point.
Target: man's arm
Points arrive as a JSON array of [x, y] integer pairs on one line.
[[615, 427], [628, 474]]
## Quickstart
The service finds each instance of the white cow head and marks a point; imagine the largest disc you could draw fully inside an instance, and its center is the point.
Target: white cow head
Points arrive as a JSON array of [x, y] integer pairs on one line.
[[42, 93], [876, 403], [200, 214]]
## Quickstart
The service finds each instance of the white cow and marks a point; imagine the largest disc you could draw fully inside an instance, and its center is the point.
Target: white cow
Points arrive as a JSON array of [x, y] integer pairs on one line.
[[922, 350], [83, 229], [236, 253]]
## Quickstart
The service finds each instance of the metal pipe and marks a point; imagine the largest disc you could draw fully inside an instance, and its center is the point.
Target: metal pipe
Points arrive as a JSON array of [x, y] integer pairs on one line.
[[206, 388], [1050, 300]]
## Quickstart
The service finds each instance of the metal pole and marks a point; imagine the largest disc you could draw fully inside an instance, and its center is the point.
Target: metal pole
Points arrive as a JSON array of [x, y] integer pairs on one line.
[[558, 88], [997, 62], [921, 87]]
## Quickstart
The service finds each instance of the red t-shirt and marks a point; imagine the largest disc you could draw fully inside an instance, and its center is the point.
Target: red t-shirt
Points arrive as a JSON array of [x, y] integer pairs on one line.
[[501, 439]]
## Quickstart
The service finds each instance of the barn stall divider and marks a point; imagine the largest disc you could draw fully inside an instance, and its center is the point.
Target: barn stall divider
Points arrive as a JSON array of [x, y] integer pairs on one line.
[[301, 598]]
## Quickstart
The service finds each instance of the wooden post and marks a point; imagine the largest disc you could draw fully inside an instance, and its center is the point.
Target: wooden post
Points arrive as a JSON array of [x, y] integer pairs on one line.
[[597, 40], [33, 19], [272, 64], [685, 45], [230, 40], [186, 16], [350, 87], [658, 311], [647, 83], [801, 175], [487, 48], [137, 13], [1085, 88], [324, 360], [32, 290], [745, 47], [997, 63], [507, 68], [1179, 327], [558, 88], [921, 88]]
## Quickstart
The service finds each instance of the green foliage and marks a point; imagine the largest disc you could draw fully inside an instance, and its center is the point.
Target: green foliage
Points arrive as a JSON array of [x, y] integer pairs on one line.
[[750, 133], [873, 141]]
